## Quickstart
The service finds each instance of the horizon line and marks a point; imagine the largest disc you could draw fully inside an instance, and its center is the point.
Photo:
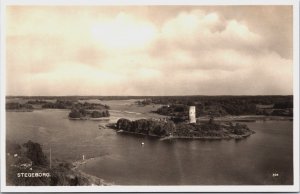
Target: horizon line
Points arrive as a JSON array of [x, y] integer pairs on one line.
[[190, 95]]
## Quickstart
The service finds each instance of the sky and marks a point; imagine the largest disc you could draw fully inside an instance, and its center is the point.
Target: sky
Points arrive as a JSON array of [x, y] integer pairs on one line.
[[149, 50]]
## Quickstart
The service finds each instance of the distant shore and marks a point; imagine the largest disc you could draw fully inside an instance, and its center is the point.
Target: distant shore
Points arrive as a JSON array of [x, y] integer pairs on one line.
[[19, 110]]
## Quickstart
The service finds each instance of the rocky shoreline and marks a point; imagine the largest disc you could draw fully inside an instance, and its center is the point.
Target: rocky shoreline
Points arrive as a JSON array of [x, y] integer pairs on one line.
[[231, 136], [90, 118], [90, 179], [237, 137]]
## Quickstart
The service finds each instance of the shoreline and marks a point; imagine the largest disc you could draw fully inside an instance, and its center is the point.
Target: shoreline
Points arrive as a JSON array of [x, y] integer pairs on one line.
[[133, 133], [92, 119], [93, 180], [228, 137], [20, 110]]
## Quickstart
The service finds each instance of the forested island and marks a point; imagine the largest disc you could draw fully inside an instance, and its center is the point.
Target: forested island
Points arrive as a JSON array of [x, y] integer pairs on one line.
[[78, 110], [88, 114], [167, 129], [52, 104], [17, 107], [88, 111]]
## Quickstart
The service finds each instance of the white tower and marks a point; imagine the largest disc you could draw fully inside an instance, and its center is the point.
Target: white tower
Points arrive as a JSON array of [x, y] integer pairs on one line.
[[192, 114]]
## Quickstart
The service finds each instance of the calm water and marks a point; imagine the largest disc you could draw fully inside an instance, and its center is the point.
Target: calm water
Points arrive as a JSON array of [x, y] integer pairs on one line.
[[121, 158]]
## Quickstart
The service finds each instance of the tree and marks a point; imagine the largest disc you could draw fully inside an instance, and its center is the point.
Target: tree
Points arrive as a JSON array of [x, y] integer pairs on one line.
[[107, 113], [159, 130], [34, 153], [169, 127], [124, 124], [82, 112], [74, 114], [96, 114]]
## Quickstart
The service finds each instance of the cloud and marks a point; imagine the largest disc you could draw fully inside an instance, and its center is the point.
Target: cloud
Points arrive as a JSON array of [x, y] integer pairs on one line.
[[123, 51], [122, 32]]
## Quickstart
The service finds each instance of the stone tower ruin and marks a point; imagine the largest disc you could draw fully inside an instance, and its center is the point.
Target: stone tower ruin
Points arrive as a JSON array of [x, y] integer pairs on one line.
[[192, 114]]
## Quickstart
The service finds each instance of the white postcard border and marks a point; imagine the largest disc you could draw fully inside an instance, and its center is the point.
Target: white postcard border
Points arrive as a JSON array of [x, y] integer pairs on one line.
[[219, 188]]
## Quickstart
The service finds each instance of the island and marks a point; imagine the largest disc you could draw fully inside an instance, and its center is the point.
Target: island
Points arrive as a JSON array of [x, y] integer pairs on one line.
[[167, 129], [18, 107], [82, 114], [92, 111]]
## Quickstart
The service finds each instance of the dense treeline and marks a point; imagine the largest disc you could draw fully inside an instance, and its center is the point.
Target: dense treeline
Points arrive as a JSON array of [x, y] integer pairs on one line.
[[90, 106], [18, 106], [37, 101], [210, 130], [173, 110], [282, 105], [147, 127], [82, 113], [76, 98], [188, 100], [178, 112], [78, 110], [192, 100], [224, 105], [59, 104]]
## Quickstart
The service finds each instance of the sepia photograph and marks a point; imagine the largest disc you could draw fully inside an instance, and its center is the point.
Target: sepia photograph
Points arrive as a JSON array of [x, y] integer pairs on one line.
[[149, 97]]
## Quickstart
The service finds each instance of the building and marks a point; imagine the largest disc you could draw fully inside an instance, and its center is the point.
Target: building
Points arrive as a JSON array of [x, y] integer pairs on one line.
[[192, 114]]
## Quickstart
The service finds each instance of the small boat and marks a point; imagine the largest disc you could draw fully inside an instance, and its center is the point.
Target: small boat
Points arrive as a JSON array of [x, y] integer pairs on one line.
[[101, 127]]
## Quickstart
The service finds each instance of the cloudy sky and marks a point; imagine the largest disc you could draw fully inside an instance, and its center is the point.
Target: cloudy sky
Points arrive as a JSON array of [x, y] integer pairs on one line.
[[149, 50]]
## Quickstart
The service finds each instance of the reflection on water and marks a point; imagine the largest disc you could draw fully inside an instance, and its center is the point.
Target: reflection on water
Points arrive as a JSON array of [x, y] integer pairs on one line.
[[121, 158]]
